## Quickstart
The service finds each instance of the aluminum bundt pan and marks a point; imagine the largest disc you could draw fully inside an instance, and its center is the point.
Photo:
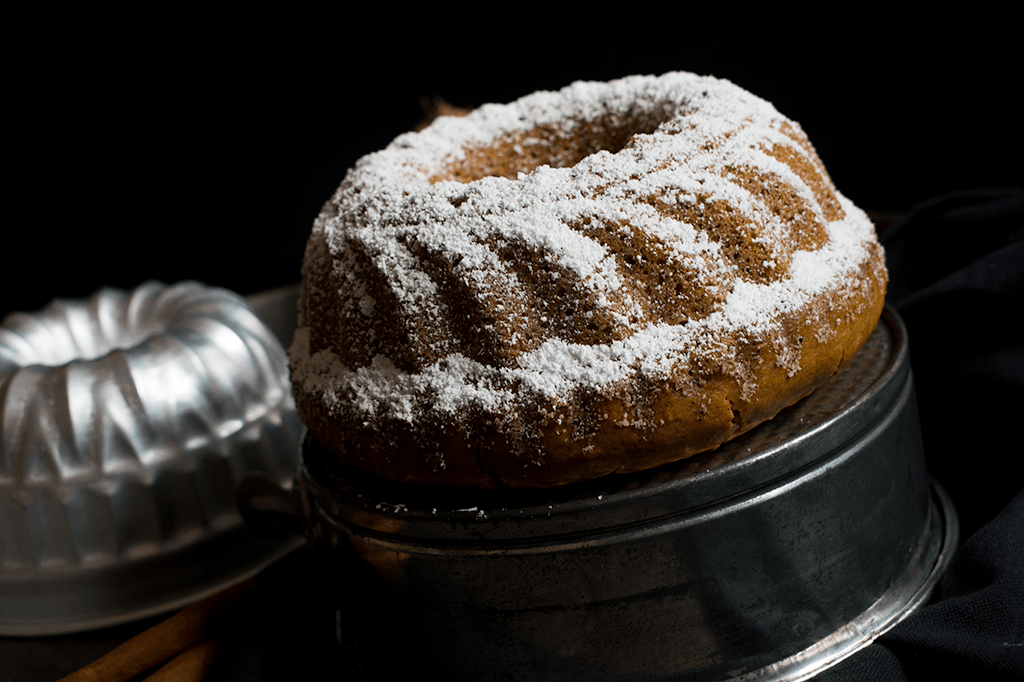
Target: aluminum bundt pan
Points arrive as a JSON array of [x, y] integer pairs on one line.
[[126, 422], [771, 558]]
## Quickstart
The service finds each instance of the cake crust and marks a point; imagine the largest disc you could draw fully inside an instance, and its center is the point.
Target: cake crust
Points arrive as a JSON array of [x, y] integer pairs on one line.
[[597, 280]]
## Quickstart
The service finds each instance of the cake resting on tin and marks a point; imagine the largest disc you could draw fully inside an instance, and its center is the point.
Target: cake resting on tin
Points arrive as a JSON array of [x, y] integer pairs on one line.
[[597, 280]]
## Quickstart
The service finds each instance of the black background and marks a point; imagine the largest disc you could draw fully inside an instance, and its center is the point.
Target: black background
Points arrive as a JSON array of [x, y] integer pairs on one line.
[[181, 146]]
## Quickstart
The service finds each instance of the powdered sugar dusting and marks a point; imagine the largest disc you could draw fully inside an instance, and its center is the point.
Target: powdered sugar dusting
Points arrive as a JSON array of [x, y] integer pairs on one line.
[[468, 294]]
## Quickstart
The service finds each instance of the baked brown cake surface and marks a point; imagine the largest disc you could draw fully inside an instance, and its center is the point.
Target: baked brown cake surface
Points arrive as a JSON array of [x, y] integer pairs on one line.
[[601, 279]]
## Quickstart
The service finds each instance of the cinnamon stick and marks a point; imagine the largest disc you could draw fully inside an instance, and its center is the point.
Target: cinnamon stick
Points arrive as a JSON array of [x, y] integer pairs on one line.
[[160, 642], [191, 665]]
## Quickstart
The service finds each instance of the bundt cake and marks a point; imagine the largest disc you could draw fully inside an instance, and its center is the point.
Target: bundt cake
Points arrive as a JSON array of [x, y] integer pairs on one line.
[[601, 279]]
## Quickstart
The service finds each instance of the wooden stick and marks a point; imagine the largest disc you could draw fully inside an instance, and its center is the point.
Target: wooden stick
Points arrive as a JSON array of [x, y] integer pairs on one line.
[[191, 665], [160, 642]]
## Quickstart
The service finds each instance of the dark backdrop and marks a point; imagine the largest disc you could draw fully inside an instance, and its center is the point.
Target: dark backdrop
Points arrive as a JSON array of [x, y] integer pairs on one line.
[[175, 146], [178, 146]]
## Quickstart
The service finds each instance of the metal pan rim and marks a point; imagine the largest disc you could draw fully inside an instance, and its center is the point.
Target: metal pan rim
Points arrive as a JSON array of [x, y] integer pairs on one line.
[[907, 595]]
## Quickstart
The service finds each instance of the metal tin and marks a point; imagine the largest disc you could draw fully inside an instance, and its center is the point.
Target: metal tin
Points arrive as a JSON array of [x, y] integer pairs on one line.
[[769, 559], [127, 422]]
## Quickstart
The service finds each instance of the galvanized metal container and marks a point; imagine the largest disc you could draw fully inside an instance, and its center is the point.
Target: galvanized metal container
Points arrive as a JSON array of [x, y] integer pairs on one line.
[[769, 559]]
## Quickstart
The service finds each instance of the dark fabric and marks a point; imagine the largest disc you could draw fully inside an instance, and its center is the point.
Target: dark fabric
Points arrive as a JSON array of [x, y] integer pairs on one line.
[[957, 270]]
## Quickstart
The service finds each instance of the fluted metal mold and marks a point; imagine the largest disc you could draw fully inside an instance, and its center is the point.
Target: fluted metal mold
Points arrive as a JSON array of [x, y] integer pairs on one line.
[[127, 421]]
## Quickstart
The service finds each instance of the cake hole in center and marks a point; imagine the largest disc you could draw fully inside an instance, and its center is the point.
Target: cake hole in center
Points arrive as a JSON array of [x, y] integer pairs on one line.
[[560, 145]]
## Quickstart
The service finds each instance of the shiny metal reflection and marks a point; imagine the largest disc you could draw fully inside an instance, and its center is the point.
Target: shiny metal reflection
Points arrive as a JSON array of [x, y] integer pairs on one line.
[[126, 422]]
